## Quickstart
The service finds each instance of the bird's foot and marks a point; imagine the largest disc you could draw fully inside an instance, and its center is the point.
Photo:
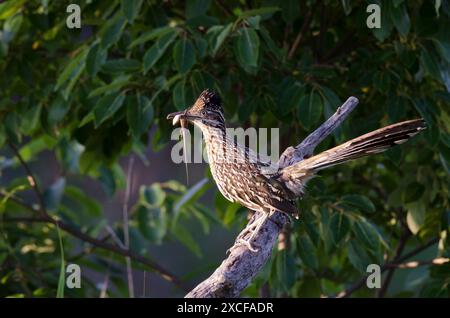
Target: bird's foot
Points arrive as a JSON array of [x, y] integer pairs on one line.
[[243, 242], [251, 230]]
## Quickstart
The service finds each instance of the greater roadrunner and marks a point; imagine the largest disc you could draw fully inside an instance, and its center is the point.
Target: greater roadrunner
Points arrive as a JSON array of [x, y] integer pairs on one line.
[[260, 186]]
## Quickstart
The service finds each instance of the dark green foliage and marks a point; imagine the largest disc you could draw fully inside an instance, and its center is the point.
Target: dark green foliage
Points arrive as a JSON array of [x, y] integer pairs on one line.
[[92, 96]]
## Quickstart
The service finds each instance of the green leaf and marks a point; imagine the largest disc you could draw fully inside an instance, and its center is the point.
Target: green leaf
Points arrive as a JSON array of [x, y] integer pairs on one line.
[[89, 205], [54, 193], [115, 85], [113, 31], [307, 252], [221, 38], [442, 43], [121, 66], [247, 47], [11, 124], [152, 34], [359, 202], [430, 63], [152, 223], [70, 154], [192, 194], [183, 235], [36, 145], [139, 114], [9, 194], [106, 107], [10, 8], [130, 9], [339, 226], [347, 6], [157, 50], [107, 180], [95, 59], [416, 216], [72, 70], [195, 8], [57, 110], [152, 196], [201, 44], [230, 214], [285, 269], [291, 97], [425, 110], [396, 108], [271, 45], [259, 11], [184, 55], [179, 95], [437, 6], [325, 233], [386, 23], [11, 27], [445, 74], [413, 192], [381, 81], [367, 234], [358, 257], [400, 18], [310, 109], [432, 134]]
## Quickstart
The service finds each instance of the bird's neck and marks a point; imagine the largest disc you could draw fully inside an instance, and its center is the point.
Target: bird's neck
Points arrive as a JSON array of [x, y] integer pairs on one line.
[[225, 149], [216, 142]]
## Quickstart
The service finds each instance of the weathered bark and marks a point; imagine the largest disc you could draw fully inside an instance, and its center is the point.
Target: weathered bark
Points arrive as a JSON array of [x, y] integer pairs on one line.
[[241, 266]]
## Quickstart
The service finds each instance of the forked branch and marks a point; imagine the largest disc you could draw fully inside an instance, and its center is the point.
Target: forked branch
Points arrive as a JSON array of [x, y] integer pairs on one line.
[[241, 266]]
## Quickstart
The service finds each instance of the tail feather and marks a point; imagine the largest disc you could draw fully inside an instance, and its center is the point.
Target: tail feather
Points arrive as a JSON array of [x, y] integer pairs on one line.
[[370, 143]]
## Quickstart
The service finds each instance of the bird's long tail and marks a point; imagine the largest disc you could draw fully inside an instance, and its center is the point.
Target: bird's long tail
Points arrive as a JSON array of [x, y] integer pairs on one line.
[[374, 142]]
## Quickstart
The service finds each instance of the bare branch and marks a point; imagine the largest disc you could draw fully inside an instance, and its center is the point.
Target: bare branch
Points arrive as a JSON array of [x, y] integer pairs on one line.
[[98, 243], [306, 148], [241, 266], [43, 216]]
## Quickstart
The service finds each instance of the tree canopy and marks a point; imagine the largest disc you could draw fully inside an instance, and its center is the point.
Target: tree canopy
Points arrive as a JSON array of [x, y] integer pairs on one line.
[[89, 97]]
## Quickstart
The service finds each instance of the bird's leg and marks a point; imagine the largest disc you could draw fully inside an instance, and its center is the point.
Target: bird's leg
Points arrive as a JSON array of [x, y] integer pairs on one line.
[[253, 229]]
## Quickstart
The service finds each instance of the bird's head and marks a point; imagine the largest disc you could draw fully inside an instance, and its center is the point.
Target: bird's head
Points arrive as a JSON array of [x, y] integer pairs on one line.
[[206, 112]]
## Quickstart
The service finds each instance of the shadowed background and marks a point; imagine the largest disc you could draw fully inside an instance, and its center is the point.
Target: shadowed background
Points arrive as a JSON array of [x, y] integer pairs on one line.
[[77, 104]]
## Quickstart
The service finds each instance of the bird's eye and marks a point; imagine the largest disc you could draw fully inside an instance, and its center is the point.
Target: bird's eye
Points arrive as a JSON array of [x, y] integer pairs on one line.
[[203, 112]]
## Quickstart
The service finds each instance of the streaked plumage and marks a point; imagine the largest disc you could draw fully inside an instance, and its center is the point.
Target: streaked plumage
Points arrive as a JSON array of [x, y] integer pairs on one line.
[[241, 177]]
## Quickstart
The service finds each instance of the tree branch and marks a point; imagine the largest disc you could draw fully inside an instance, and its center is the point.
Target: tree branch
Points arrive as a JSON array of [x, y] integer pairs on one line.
[[97, 243], [305, 149], [46, 217], [31, 179], [241, 266], [362, 281], [406, 234]]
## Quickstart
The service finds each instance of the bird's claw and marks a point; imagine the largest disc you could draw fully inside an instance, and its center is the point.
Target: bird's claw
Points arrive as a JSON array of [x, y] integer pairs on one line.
[[239, 242]]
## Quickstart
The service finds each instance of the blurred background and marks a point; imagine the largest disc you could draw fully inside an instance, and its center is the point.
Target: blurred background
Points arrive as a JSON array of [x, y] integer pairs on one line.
[[85, 144]]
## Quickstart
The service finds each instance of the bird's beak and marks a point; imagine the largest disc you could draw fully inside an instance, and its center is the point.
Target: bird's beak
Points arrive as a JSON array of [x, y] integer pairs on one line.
[[176, 116], [182, 116]]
